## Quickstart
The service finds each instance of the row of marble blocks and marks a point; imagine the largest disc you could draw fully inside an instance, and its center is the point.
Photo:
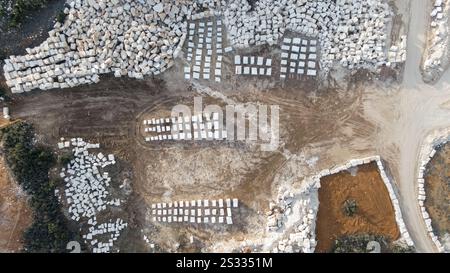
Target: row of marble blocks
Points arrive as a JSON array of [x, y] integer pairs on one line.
[[298, 57], [253, 65], [204, 51], [197, 127], [195, 211]]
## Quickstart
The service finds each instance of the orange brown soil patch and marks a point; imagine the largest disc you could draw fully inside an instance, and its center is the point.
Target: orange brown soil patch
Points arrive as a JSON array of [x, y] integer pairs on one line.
[[375, 213], [437, 187], [15, 214], [3, 122]]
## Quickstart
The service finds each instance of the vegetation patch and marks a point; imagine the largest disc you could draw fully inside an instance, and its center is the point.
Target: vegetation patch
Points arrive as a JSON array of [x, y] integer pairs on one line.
[[366, 243], [16, 11], [30, 164], [350, 207], [60, 17], [3, 54]]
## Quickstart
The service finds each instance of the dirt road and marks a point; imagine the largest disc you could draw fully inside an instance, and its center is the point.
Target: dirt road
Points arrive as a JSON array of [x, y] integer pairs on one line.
[[419, 110]]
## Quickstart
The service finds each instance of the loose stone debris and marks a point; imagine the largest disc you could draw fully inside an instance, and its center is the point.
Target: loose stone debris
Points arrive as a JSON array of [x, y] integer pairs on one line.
[[397, 53], [140, 38], [197, 127], [195, 211], [86, 191], [111, 228], [124, 37], [428, 151], [436, 55], [301, 208], [147, 240], [298, 57], [351, 32], [253, 65]]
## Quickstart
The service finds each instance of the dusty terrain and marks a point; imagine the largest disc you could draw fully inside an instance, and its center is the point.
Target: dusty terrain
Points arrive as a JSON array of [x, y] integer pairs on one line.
[[108, 114], [15, 214], [374, 215], [437, 186]]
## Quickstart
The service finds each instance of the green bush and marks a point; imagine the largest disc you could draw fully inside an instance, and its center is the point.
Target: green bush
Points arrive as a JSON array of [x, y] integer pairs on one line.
[[30, 165], [65, 158], [3, 54], [21, 8], [4, 95], [60, 17], [350, 207], [401, 249], [358, 244]]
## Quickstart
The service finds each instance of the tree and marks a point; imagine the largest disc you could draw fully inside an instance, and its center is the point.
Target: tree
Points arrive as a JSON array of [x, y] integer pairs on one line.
[[60, 17], [357, 243], [30, 164], [350, 207], [65, 158]]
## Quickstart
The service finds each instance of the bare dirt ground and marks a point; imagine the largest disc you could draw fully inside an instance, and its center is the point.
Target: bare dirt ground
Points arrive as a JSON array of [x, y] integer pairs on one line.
[[437, 186], [15, 214], [316, 123], [375, 214], [106, 115], [109, 113], [33, 31]]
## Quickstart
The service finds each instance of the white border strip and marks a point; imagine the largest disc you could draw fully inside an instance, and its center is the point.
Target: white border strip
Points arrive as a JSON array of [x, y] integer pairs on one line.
[[426, 154]]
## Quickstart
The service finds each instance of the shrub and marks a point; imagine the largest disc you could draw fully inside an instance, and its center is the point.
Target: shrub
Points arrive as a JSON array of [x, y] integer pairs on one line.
[[21, 8], [2, 91], [402, 249], [3, 54], [30, 165], [357, 243], [350, 207], [65, 158], [60, 17]]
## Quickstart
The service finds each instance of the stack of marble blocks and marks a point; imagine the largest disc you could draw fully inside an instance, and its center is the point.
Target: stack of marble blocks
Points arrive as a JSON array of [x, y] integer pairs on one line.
[[252, 65], [195, 211], [204, 51], [298, 57], [197, 127]]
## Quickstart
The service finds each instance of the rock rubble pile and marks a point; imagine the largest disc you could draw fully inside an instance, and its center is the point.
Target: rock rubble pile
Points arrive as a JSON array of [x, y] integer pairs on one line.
[[140, 38], [86, 192], [436, 55]]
